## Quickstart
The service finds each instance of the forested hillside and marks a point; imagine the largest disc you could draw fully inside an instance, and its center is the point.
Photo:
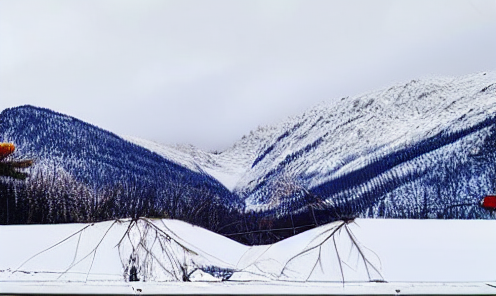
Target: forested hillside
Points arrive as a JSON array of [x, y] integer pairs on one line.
[[422, 149], [82, 173]]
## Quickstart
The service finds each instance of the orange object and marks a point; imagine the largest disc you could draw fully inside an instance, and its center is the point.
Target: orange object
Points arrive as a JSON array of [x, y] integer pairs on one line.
[[6, 149]]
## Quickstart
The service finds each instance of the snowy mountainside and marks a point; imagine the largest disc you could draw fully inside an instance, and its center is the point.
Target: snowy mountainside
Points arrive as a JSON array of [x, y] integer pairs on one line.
[[415, 150], [83, 173], [407, 151], [228, 166], [168, 152]]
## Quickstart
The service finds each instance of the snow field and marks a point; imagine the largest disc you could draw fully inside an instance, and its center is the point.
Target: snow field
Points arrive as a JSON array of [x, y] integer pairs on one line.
[[424, 255]]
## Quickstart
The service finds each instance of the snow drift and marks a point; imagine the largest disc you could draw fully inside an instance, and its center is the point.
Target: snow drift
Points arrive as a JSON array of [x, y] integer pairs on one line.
[[414, 256], [170, 250]]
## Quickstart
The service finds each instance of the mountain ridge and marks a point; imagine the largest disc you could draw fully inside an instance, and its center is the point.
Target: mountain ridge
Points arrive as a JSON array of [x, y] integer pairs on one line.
[[116, 178], [421, 149], [425, 114]]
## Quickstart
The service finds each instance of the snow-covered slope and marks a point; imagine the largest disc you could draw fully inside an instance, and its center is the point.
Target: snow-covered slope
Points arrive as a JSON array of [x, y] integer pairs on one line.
[[99, 257], [228, 167], [419, 149], [413, 141], [82, 173], [347, 134]]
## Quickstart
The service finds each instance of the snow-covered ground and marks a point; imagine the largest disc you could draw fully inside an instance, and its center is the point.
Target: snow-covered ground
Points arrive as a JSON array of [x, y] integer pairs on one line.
[[413, 256], [228, 288]]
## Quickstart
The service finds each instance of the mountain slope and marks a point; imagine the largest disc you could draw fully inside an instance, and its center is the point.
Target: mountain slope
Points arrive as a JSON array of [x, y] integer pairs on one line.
[[420, 149], [423, 149], [228, 167], [415, 150], [117, 178]]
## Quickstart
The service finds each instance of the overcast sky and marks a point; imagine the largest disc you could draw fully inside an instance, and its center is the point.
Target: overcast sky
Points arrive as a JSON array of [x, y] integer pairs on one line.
[[207, 72]]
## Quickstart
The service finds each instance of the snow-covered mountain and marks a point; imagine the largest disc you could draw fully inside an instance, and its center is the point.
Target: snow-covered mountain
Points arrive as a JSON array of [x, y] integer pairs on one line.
[[412, 150], [422, 149], [83, 173], [419, 149]]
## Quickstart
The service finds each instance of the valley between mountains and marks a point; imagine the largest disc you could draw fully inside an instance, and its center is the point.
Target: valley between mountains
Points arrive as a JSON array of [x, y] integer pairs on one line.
[[424, 149]]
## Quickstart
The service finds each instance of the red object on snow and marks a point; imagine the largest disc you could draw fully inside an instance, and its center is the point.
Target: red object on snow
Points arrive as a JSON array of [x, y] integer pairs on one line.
[[489, 202]]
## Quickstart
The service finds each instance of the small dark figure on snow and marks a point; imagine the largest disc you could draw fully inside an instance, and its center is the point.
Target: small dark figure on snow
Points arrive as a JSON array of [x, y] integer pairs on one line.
[[133, 274]]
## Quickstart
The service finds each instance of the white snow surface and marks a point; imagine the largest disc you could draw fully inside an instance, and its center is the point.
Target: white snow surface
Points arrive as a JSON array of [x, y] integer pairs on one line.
[[419, 256]]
